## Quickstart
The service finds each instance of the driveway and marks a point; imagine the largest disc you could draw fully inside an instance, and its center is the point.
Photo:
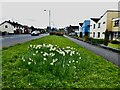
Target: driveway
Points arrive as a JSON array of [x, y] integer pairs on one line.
[[107, 54], [10, 40]]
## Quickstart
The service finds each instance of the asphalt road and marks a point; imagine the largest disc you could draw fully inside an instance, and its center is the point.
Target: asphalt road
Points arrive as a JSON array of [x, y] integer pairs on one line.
[[107, 54], [10, 40]]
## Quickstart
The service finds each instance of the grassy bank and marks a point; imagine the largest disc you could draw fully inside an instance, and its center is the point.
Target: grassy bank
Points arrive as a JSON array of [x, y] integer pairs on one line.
[[117, 46], [56, 62]]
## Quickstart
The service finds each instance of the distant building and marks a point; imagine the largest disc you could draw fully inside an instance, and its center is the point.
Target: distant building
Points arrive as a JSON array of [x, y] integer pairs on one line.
[[27, 30], [72, 29], [14, 28], [98, 26]]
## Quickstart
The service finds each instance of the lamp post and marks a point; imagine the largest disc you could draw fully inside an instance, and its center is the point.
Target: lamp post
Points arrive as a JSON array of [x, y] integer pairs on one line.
[[49, 29]]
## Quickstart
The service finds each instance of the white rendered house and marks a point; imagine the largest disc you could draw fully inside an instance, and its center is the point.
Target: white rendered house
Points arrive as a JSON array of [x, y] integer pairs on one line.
[[98, 26], [14, 27], [6, 27]]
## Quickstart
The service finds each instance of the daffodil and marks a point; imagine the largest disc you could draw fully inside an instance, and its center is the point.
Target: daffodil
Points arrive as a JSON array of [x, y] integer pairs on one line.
[[44, 59], [29, 63], [74, 67], [79, 57], [76, 61], [30, 59], [34, 54], [52, 63], [73, 61], [69, 61]]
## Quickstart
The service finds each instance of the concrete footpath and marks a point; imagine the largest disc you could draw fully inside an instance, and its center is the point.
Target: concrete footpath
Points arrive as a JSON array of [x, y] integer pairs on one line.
[[111, 56]]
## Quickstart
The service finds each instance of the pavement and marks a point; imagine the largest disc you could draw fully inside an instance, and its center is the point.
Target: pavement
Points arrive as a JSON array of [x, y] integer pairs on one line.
[[109, 55], [10, 40]]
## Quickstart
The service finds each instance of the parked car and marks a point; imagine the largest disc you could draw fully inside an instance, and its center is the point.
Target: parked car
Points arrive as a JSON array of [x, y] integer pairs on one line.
[[72, 33], [35, 33]]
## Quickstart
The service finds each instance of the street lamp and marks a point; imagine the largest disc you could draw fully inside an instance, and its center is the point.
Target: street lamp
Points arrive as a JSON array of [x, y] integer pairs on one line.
[[49, 19]]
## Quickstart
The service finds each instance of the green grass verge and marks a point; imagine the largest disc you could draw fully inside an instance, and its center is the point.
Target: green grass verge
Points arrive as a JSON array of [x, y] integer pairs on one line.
[[92, 71], [117, 46]]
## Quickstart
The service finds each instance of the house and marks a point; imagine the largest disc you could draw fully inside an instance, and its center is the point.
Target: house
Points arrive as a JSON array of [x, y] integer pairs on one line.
[[85, 28], [94, 31], [80, 29], [27, 30], [13, 28], [72, 29], [98, 26]]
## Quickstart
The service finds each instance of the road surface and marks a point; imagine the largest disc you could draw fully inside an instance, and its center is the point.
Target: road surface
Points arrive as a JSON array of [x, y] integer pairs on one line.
[[107, 54], [10, 40]]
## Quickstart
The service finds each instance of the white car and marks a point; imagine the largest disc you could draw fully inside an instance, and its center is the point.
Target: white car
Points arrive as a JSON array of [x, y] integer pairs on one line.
[[35, 33]]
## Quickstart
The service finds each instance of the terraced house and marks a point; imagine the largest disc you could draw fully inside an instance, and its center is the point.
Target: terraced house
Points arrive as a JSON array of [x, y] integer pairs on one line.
[[108, 21]]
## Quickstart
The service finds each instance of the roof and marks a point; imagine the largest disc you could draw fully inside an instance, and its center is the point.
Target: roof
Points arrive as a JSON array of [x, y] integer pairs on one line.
[[109, 11], [81, 24], [95, 19], [75, 27], [12, 23]]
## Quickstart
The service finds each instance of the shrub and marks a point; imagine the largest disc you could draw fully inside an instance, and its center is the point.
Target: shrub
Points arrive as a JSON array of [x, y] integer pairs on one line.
[[56, 33], [4, 33], [52, 33], [106, 40], [85, 38], [59, 33], [97, 41], [115, 42]]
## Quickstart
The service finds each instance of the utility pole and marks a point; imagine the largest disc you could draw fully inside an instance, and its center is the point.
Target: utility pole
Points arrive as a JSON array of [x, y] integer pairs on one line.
[[49, 11]]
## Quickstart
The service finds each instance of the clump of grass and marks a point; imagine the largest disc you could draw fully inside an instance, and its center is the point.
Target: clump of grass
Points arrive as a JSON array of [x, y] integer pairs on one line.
[[63, 63]]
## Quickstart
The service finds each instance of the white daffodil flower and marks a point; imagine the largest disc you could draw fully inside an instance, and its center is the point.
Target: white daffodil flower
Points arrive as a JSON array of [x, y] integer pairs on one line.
[[69, 61], [44, 59], [34, 54], [29, 63], [73, 61], [52, 63], [79, 57], [76, 61]]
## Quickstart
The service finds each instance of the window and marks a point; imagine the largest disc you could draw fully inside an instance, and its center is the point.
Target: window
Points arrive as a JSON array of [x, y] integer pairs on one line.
[[116, 23], [115, 34], [98, 34], [6, 26], [103, 33], [98, 25], [93, 26], [118, 34], [103, 22], [93, 34]]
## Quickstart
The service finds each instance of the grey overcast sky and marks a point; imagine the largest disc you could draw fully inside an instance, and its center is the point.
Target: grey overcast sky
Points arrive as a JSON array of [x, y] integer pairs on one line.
[[62, 13]]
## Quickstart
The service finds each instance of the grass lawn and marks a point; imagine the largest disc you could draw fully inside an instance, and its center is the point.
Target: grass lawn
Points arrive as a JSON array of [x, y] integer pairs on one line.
[[117, 46], [56, 62]]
